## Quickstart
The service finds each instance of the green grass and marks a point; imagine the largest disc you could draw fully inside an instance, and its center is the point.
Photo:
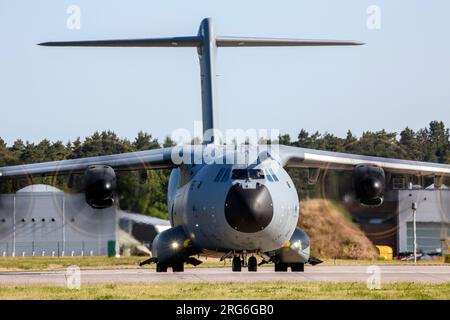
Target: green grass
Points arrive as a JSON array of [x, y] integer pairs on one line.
[[49, 263], [55, 263], [231, 290]]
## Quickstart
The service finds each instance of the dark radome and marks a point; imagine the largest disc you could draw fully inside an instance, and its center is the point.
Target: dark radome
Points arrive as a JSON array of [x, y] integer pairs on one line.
[[248, 210]]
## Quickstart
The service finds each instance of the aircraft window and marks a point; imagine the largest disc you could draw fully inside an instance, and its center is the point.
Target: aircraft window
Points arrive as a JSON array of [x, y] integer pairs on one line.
[[247, 174], [256, 174], [225, 175], [273, 175], [219, 175], [239, 174]]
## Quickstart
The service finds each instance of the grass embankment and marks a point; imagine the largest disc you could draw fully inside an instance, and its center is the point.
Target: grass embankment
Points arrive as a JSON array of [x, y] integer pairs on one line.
[[234, 290], [332, 232]]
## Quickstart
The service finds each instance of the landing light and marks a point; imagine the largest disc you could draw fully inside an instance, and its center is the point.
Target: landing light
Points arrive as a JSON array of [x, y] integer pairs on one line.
[[175, 245]]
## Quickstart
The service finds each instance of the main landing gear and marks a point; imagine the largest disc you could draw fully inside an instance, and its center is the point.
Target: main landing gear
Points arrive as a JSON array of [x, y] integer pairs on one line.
[[177, 267], [295, 267]]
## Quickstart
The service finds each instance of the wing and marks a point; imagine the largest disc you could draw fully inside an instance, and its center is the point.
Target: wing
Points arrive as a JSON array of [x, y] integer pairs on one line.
[[310, 158], [149, 159]]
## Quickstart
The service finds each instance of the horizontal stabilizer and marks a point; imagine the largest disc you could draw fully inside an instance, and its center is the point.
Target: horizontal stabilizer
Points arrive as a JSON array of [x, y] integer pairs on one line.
[[194, 41], [197, 41], [280, 42]]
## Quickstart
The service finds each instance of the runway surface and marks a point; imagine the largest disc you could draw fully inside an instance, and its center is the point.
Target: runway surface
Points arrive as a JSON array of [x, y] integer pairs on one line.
[[425, 274]]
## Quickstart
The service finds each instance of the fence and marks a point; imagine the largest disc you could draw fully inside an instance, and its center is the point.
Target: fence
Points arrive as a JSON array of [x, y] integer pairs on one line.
[[54, 248]]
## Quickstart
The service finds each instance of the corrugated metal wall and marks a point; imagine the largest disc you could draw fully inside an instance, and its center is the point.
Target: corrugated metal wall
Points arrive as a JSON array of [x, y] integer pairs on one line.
[[432, 217], [53, 223]]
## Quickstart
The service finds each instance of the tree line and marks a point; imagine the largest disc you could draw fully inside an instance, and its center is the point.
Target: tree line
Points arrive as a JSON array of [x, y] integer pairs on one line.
[[428, 144], [149, 197]]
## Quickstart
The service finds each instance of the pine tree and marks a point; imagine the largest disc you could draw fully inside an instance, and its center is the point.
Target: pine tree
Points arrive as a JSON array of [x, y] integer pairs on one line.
[[145, 141]]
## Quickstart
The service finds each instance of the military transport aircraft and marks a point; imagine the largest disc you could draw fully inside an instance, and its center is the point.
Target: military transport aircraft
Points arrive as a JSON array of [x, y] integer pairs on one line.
[[237, 202]]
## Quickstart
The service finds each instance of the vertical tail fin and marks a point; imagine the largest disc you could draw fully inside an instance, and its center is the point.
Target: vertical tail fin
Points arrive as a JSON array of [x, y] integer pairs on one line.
[[206, 43], [207, 57]]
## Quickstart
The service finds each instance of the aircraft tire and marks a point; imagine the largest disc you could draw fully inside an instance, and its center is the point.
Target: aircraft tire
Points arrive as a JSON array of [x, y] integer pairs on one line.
[[236, 264], [252, 264], [281, 267], [178, 267], [161, 267], [298, 267]]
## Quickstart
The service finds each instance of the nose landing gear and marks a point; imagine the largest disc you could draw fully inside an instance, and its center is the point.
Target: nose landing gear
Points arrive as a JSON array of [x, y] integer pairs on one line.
[[238, 262], [252, 264]]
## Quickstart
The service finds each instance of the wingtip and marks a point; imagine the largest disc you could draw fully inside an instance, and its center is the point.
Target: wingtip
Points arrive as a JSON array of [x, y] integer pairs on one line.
[[50, 44]]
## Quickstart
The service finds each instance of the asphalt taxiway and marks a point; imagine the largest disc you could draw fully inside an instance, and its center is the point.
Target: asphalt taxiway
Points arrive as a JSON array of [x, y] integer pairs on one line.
[[421, 274]]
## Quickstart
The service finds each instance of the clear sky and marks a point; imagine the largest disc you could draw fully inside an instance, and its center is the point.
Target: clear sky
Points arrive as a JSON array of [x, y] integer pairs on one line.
[[401, 77]]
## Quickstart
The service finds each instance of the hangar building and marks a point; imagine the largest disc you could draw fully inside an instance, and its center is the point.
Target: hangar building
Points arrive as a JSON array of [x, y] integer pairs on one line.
[[142, 228], [43, 220], [432, 219], [392, 223]]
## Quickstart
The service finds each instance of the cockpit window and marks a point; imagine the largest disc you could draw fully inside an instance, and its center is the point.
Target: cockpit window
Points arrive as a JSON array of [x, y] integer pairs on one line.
[[239, 174], [225, 176], [247, 174], [273, 175], [219, 175], [256, 174]]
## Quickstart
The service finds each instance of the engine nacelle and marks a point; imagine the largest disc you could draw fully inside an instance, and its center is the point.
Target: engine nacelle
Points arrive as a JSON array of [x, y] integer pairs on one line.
[[172, 246], [369, 183], [297, 250], [99, 186]]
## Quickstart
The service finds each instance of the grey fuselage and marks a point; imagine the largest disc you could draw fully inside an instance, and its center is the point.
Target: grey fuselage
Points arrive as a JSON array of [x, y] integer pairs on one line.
[[222, 213]]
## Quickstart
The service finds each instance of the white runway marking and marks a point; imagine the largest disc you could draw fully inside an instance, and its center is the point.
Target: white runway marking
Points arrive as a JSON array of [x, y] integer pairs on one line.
[[424, 274]]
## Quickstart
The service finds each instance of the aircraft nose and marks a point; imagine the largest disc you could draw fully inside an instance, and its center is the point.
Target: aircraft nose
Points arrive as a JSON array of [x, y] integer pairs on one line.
[[248, 210]]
